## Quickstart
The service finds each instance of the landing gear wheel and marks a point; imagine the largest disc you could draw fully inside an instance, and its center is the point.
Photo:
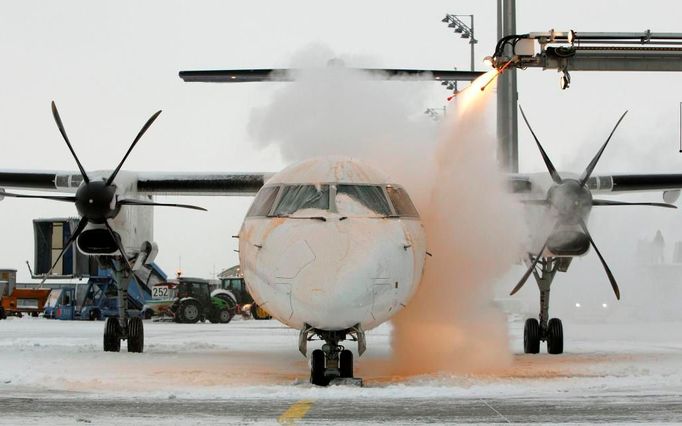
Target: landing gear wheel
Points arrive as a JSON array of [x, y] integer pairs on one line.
[[112, 335], [317, 368], [189, 311], [2, 313], [346, 364], [531, 336], [555, 336], [135, 335]]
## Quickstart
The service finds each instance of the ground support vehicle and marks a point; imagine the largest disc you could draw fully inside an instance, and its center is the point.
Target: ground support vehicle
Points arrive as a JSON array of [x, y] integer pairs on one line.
[[99, 301], [19, 301], [195, 302], [233, 281]]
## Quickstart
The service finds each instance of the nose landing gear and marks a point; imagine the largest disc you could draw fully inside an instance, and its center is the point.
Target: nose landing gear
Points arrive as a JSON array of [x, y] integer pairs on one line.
[[333, 364]]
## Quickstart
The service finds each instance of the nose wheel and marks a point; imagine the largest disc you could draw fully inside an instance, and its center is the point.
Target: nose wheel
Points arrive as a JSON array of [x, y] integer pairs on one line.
[[323, 369], [333, 364]]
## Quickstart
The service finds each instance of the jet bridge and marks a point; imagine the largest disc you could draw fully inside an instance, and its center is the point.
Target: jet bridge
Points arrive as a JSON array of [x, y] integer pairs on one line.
[[568, 51]]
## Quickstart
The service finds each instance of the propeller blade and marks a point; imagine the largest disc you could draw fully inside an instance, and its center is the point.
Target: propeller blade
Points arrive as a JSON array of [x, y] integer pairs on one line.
[[76, 233], [58, 119], [529, 271], [550, 167], [590, 167], [68, 199], [622, 203], [152, 203], [137, 138], [612, 280]]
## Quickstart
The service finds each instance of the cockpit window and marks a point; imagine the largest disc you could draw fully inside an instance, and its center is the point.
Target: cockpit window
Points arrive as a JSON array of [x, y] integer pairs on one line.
[[401, 202], [302, 197], [263, 202], [362, 200]]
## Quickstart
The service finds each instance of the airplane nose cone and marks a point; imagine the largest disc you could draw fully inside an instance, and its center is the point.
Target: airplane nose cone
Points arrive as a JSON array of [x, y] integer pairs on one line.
[[332, 275], [336, 289]]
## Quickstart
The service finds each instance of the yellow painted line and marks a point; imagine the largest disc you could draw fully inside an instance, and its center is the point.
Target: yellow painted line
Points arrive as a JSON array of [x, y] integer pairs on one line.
[[295, 412]]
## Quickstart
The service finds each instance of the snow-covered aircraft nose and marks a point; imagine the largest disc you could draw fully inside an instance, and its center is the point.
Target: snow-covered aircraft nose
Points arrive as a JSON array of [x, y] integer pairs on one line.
[[330, 246], [335, 272]]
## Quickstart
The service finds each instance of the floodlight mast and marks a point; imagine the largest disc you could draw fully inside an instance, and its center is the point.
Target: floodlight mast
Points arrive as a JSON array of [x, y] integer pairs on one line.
[[465, 30]]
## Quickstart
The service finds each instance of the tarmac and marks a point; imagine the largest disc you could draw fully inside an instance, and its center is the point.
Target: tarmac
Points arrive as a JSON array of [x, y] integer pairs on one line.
[[73, 410]]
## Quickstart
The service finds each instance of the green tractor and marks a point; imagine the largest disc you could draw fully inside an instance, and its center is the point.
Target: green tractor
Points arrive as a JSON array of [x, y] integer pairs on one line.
[[195, 302], [232, 281]]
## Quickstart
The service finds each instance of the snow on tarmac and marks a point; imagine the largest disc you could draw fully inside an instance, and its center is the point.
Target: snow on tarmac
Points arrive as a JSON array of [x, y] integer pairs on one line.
[[259, 359]]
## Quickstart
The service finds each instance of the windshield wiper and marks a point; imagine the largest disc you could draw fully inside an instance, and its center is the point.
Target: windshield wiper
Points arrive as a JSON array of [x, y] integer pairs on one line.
[[288, 216]]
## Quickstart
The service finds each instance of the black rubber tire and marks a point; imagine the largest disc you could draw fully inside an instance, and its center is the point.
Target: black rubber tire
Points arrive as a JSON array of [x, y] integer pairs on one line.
[[555, 336], [317, 368], [224, 316], [112, 335], [3, 315], [346, 364], [531, 336], [135, 335], [231, 304], [189, 312], [94, 315], [147, 314]]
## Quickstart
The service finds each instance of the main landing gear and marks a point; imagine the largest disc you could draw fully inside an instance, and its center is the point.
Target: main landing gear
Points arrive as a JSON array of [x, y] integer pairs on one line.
[[545, 329], [333, 364], [123, 328]]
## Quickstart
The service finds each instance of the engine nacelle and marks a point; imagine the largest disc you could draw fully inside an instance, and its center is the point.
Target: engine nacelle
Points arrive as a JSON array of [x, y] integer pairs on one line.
[[568, 243], [97, 241]]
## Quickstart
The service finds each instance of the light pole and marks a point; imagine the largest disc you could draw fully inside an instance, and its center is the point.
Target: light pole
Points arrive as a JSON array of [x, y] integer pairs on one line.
[[465, 30]]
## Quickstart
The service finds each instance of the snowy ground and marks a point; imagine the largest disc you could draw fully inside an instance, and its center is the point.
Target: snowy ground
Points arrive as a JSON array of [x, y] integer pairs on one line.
[[251, 363]]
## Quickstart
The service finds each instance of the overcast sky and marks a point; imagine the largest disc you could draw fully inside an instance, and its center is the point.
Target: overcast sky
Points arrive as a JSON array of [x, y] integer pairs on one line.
[[110, 65]]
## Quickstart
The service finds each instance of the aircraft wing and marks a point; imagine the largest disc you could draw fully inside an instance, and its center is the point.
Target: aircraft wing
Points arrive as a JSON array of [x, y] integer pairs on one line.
[[159, 183], [201, 183], [604, 184], [636, 182], [39, 180], [284, 74]]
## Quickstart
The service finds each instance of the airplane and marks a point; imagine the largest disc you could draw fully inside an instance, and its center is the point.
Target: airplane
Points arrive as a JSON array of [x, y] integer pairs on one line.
[[329, 246]]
